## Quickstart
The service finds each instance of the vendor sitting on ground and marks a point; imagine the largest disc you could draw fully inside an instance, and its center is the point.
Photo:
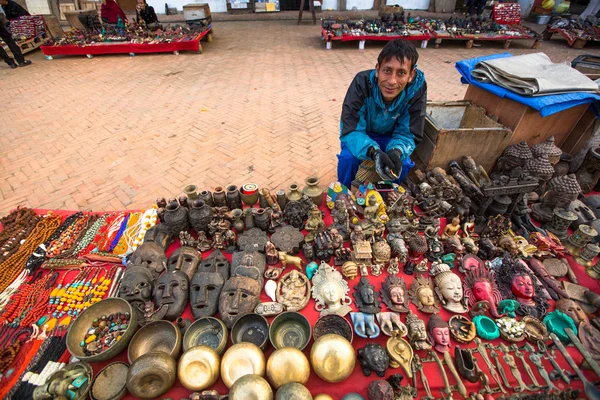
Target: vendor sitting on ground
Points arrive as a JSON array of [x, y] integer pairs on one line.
[[384, 109], [12, 9], [145, 14], [110, 12]]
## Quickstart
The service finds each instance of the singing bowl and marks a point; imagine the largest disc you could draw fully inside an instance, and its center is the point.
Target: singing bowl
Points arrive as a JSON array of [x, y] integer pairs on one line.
[[242, 359], [207, 331], [151, 375], [251, 387], [251, 328], [293, 391], [111, 382], [198, 368], [333, 323], [290, 329], [286, 365], [158, 336], [82, 325], [332, 358]]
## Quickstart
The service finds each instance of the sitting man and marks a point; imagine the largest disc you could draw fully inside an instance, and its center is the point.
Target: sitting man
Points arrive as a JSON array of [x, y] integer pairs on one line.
[[384, 108]]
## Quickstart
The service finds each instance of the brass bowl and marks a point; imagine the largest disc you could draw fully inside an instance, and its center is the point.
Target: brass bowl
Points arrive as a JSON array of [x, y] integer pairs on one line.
[[323, 396], [249, 199], [151, 375], [290, 329], [111, 382], [333, 323], [293, 391], [82, 325], [251, 387], [158, 336], [251, 328], [59, 382], [332, 358], [208, 331], [241, 359], [286, 365], [198, 368]]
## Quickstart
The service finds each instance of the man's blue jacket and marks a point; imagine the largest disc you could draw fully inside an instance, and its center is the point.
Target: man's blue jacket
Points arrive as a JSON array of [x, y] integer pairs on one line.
[[364, 113]]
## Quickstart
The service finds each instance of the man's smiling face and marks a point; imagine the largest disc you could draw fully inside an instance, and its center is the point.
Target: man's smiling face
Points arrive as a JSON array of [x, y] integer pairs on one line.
[[393, 76]]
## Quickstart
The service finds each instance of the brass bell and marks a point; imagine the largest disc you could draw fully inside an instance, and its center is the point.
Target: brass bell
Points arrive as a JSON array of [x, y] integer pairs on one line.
[[287, 364], [293, 391], [332, 358], [242, 359], [251, 387], [199, 368]]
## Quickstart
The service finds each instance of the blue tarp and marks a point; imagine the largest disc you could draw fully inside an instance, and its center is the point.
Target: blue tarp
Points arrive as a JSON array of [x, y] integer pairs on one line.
[[546, 105]]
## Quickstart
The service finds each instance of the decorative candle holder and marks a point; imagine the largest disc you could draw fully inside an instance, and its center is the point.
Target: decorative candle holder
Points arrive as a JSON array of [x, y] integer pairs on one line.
[[581, 237], [561, 220]]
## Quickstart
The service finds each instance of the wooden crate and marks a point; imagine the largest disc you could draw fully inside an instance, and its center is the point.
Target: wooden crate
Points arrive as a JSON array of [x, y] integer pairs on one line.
[[456, 129], [53, 26], [196, 11], [248, 10]]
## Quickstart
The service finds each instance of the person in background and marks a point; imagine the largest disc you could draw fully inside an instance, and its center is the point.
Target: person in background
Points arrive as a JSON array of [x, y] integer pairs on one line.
[[13, 10], [476, 5], [145, 14], [592, 9], [12, 45], [383, 115], [110, 12]]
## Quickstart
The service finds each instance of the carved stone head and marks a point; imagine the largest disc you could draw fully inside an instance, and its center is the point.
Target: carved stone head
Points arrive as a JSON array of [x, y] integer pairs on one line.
[[417, 334], [330, 291], [438, 333], [239, 296], [448, 288], [172, 291], [393, 294]]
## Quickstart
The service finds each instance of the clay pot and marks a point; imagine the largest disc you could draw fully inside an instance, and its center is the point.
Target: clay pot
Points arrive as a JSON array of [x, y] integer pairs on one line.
[[313, 190], [238, 224], [200, 215], [294, 193], [177, 218], [191, 191], [219, 197], [234, 200], [249, 194], [262, 219], [249, 218], [207, 197]]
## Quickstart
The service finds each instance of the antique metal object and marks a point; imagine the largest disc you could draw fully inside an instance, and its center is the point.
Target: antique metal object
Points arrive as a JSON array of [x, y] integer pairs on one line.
[[511, 330], [81, 326], [401, 354], [589, 172], [519, 354], [151, 375], [534, 329], [287, 239], [588, 357], [287, 365], [251, 237], [290, 329], [560, 192], [586, 256], [483, 352], [393, 294], [366, 297], [558, 370], [293, 291], [198, 368], [242, 359], [462, 390], [364, 325], [239, 296], [560, 222], [380, 390], [432, 356], [583, 235], [465, 365], [250, 263], [373, 357], [510, 361], [72, 381], [330, 291], [422, 295], [111, 382], [269, 309], [494, 354], [332, 358], [293, 390], [157, 336], [536, 359], [417, 333], [462, 329], [391, 324], [208, 331], [251, 386], [588, 334], [333, 324], [251, 328], [590, 390]]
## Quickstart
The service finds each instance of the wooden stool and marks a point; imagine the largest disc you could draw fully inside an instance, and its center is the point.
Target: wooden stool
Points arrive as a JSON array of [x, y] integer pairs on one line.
[[311, 7]]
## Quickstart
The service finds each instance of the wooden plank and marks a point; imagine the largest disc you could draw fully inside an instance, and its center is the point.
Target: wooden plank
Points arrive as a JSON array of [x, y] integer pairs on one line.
[[581, 133], [475, 117], [53, 26]]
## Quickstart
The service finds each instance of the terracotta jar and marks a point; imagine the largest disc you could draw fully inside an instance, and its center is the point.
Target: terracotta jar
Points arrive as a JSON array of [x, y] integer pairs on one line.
[[313, 190], [207, 196], [176, 217], [219, 197], [191, 191], [234, 200], [294, 193], [200, 215]]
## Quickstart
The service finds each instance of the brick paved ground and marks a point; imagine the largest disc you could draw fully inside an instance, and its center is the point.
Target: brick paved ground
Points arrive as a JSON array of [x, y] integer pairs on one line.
[[260, 105]]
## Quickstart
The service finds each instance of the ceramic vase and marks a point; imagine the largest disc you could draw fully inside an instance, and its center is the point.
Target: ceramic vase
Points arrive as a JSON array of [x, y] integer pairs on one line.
[[177, 218], [219, 197], [200, 215], [207, 197], [249, 218], [313, 190], [191, 191], [294, 193], [234, 200], [262, 219], [238, 224]]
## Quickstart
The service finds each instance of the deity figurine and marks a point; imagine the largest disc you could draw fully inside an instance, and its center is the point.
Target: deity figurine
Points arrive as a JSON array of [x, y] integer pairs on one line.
[[417, 333], [314, 224], [466, 184], [371, 213], [330, 291], [136, 288], [204, 243], [341, 219], [480, 285], [421, 294], [516, 282], [438, 333], [588, 334], [393, 294], [394, 266], [512, 160], [250, 263], [366, 296], [293, 291], [171, 291], [451, 229], [240, 295], [357, 235], [561, 191], [207, 284], [475, 172], [448, 288], [271, 253]]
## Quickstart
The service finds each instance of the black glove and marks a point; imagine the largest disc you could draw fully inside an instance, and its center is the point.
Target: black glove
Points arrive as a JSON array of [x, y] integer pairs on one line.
[[383, 164], [396, 157]]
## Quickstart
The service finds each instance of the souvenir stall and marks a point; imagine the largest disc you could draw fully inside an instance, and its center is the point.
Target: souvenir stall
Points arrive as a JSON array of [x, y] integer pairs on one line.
[[29, 33], [320, 292], [576, 32]]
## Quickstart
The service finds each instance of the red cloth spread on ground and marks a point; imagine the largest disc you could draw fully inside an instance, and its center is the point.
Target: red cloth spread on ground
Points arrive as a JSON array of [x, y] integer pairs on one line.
[[357, 382]]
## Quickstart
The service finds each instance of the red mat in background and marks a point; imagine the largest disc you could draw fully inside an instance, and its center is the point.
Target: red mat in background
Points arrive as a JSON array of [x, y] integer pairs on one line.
[[357, 382]]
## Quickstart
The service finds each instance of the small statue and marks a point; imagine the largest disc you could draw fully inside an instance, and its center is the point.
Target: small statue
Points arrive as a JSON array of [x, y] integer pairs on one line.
[[204, 243], [470, 245], [507, 243], [394, 266], [452, 229], [366, 297], [475, 172], [373, 357], [350, 270], [271, 253], [487, 249], [371, 212], [330, 291], [376, 269], [435, 248], [417, 244], [438, 333], [357, 235], [512, 160], [393, 294], [398, 246], [448, 288], [314, 224], [381, 252], [293, 291], [341, 219], [561, 191], [470, 189], [417, 333], [480, 285], [422, 295], [324, 246]]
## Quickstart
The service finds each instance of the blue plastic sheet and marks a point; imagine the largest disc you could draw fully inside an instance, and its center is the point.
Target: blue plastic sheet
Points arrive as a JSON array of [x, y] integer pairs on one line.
[[546, 105]]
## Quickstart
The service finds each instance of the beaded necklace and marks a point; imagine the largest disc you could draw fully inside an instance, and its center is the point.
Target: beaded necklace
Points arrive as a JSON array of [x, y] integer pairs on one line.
[[133, 226], [67, 237], [16, 231], [89, 235], [107, 235], [149, 219]]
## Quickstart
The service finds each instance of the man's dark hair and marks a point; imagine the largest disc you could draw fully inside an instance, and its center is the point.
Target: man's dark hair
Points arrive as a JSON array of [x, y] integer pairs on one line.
[[400, 49]]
